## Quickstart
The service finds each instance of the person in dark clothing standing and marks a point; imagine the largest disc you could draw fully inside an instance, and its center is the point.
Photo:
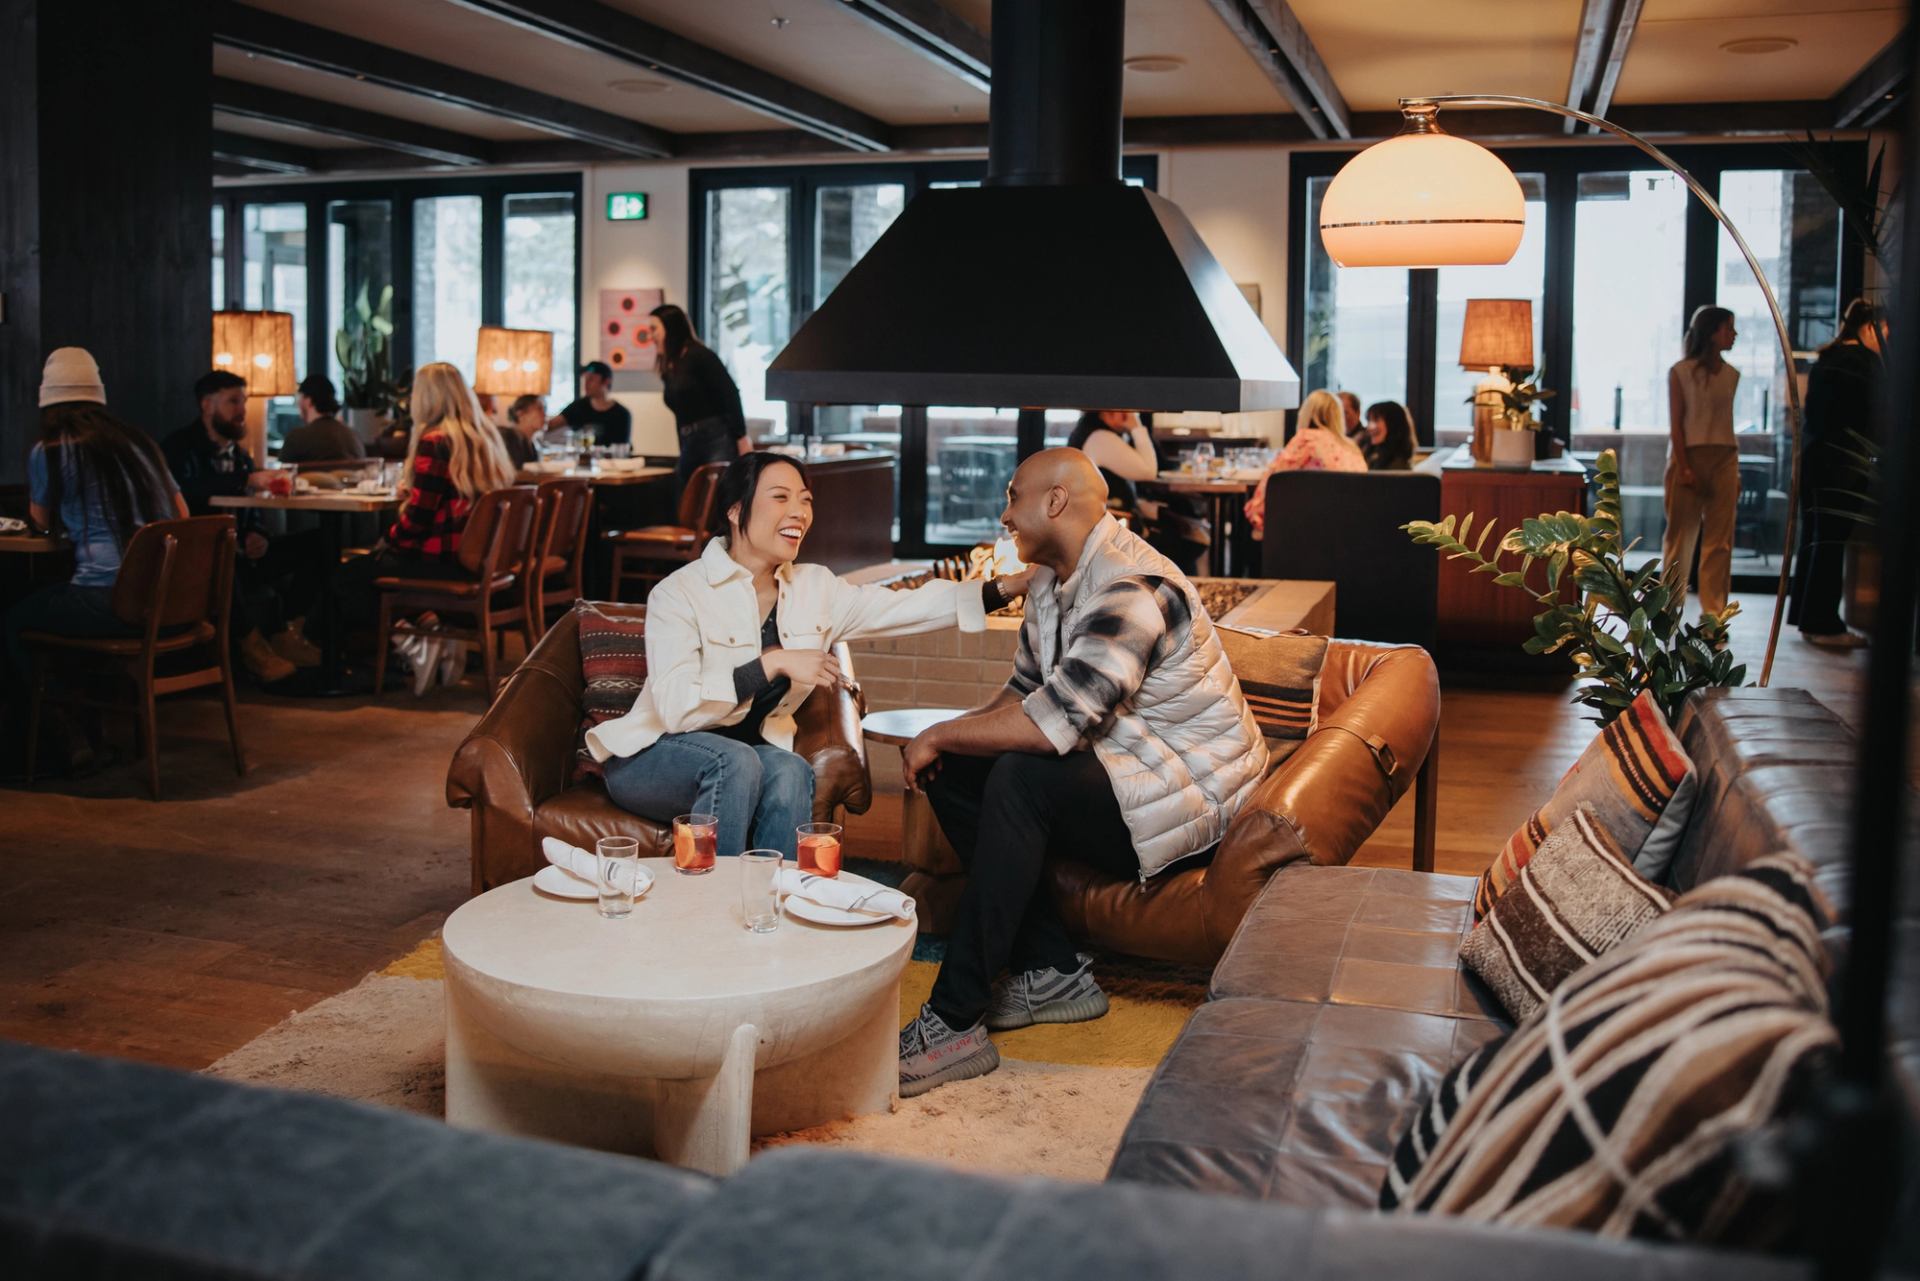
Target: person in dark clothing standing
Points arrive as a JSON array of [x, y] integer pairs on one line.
[[1843, 402], [700, 392], [320, 437], [596, 410], [207, 460]]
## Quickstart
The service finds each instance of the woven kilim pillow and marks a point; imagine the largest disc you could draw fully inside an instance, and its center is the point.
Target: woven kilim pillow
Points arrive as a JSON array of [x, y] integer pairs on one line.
[[1640, 784], [1280, 677], [1623, 1105], [613, 661], [1577, 898]]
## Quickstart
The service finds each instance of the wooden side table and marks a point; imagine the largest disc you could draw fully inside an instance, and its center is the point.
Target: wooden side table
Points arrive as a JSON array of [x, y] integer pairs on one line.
[[937, 874]]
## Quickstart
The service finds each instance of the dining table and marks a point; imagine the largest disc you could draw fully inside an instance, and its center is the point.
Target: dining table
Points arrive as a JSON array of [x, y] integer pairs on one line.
[[598, 475], [333, 507], [1225, 492]]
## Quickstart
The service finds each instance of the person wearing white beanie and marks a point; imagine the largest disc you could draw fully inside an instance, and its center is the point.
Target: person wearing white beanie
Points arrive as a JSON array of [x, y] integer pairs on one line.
[[71, 374]]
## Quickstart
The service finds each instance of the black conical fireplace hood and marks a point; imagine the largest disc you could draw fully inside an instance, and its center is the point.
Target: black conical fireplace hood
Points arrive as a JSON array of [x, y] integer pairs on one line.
[[1055, 285]]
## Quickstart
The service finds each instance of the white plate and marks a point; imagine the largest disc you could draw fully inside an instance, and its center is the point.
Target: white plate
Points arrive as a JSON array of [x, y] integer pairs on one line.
[[564, 884], [808, 910]]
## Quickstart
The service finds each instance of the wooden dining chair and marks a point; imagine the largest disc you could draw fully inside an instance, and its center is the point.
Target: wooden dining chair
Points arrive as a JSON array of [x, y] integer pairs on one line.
[[494, 553], [173, 594], [563, 509], [650, 553]]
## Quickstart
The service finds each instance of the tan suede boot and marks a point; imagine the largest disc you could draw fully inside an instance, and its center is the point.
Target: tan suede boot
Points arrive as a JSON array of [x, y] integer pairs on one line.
[[260, 660]]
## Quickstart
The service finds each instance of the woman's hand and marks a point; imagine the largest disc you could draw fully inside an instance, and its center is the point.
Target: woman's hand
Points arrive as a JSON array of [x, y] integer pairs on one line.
[[806, 668], [1683, 473]]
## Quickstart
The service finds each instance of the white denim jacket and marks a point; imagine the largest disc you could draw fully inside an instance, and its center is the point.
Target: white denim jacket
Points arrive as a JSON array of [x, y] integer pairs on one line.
[[704, 619]]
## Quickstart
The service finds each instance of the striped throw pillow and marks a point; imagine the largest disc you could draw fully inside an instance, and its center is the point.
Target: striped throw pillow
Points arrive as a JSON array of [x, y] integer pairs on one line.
[[1622, 1106], [1280, 679], [613, 663], [1576, 899], [1640, 784]]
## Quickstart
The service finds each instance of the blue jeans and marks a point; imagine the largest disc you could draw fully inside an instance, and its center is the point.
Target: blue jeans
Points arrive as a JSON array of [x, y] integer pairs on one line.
[[756, 790]]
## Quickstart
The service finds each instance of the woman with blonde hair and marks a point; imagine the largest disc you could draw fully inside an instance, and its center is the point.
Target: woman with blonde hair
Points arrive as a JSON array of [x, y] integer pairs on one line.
[[1319, 444], [454, 455]]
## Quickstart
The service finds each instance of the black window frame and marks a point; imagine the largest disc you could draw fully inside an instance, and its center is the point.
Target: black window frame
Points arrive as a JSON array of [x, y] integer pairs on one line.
[[803, 183], [400, 193], [1562, 168]]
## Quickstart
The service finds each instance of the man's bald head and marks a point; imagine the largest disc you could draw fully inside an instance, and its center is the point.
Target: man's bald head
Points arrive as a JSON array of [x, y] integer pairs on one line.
[[1055, 499]]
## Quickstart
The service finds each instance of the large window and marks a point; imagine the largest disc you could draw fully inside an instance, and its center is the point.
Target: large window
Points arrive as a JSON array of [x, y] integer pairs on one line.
[[1524, 276], [1629, 298], [1356, 323], [540, 282], [446, 280], [459, 253], [770, 246]]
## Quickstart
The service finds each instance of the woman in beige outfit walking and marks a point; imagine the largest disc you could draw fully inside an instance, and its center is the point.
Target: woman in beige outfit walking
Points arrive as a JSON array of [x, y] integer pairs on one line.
[[1703, 461]]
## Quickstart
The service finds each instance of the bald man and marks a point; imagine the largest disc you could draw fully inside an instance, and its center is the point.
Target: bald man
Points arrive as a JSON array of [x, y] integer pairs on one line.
[[1122, 742]]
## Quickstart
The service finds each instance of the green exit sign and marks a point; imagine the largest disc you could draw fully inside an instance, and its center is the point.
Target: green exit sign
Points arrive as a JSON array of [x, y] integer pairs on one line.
[[626, 206]]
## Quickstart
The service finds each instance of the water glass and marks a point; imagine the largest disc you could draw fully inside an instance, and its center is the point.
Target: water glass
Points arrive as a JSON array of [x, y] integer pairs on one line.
[[760, 890], [619, 858], [696, 839]]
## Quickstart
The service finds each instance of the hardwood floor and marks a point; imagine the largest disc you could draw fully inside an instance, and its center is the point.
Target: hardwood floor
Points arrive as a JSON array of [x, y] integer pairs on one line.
[[176, 932]]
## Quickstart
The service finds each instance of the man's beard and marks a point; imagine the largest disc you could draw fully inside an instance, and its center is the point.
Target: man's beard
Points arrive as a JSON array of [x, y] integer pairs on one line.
[[230, 429]]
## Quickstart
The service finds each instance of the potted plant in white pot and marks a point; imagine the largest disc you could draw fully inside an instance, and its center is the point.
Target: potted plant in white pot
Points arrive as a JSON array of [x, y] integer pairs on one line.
[[1513, 446]]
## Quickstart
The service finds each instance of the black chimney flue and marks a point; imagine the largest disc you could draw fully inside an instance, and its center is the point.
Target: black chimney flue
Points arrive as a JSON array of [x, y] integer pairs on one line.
[[1054, 119]]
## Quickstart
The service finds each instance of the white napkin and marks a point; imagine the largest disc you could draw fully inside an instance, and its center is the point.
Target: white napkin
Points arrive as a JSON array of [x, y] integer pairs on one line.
[[848, 896], [584, 864]]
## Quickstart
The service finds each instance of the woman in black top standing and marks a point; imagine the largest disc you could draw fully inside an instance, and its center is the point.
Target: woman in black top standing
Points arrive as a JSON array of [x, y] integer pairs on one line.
[[699, 391]]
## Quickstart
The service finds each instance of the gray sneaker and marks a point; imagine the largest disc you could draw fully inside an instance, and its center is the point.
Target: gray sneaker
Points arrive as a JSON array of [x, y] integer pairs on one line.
[[931, 1053], [1046, 996]]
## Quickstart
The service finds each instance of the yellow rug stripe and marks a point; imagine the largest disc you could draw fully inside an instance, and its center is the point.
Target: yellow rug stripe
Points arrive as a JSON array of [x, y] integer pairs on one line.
[[424, 962]]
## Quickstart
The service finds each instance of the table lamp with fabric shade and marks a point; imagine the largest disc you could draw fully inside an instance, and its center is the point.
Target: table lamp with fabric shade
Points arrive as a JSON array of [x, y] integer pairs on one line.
[[1496, 335], [256, 346], [513, 362]]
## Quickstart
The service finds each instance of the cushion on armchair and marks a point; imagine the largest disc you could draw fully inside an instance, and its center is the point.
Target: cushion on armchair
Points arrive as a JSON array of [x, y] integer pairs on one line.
[[613, 661], [1624, 1105], [1641, 785], [1280, 677]]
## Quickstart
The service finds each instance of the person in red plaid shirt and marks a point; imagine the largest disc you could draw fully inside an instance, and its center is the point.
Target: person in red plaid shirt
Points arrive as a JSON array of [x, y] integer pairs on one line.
[[455, 455]]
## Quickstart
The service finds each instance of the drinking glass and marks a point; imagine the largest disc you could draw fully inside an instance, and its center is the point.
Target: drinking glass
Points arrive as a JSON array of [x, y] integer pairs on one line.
[[619, 858], [760, 890], [1203, 457], [820, 848], [696, 838]]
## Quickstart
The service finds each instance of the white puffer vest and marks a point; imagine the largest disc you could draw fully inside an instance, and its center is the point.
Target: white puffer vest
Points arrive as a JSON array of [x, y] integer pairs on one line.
[[1183, 752]]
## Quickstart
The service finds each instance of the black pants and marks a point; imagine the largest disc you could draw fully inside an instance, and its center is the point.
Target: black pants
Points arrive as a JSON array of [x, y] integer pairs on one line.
[[1820, 562], [1005, 816], [706, 441], [282, 585]]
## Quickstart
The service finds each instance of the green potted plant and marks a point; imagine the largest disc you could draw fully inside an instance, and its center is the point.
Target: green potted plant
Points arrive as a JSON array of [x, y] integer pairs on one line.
[[363, 348], [1627, 632], [1514, 447]]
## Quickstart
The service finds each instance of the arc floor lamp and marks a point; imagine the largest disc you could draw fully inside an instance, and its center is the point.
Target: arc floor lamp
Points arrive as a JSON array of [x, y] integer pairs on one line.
[[1425, 198]]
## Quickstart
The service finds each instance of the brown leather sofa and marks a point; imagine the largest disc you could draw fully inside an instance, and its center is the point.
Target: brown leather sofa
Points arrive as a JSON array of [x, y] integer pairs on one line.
[[1341, 999], [1379, 715], [514, 771]]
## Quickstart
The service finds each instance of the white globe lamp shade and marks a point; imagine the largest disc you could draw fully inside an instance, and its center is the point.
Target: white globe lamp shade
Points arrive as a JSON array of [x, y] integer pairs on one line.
[[1423, 199]]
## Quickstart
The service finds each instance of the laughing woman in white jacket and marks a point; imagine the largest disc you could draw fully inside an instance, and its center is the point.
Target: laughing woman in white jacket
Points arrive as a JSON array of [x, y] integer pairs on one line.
[[735, 643]]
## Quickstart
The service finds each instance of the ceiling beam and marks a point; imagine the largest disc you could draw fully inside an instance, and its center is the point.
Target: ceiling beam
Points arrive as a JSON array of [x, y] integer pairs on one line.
[[1280, 47], [936, 33], [1879, 88], [425, 142], [1606, 31], [604, 29], [270, 35], [263, 155]]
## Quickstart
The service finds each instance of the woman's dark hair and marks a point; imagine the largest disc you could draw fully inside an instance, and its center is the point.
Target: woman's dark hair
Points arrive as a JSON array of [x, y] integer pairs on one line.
[[1705, 324], [1860, 314], [120, 470], [1083, 430], [1396, 451], [739, 483], [680, 336]]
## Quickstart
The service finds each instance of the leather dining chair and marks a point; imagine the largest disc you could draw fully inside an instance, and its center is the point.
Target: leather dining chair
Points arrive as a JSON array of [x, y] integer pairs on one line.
[[173, 595], [652, 552], [494, 555], [563, 509]]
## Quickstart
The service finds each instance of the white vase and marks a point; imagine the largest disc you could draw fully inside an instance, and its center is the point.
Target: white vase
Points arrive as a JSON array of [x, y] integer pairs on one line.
[[1513, 449]]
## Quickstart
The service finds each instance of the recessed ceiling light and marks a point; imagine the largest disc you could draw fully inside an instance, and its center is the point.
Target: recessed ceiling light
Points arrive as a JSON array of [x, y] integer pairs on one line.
[[1155, 63], [1760, 44], [640, 86]]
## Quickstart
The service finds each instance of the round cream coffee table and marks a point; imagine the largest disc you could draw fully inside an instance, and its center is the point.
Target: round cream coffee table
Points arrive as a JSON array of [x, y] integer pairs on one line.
[[674, 1033]]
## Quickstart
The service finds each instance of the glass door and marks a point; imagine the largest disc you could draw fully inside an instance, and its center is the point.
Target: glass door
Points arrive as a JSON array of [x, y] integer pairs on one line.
[[359, 256], [538, 288], [274, 271], [446, 281], [749, 291]]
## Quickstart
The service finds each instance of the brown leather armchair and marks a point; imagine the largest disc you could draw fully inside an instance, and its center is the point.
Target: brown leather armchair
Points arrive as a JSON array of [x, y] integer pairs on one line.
[[1379, 717], [514, 771]]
